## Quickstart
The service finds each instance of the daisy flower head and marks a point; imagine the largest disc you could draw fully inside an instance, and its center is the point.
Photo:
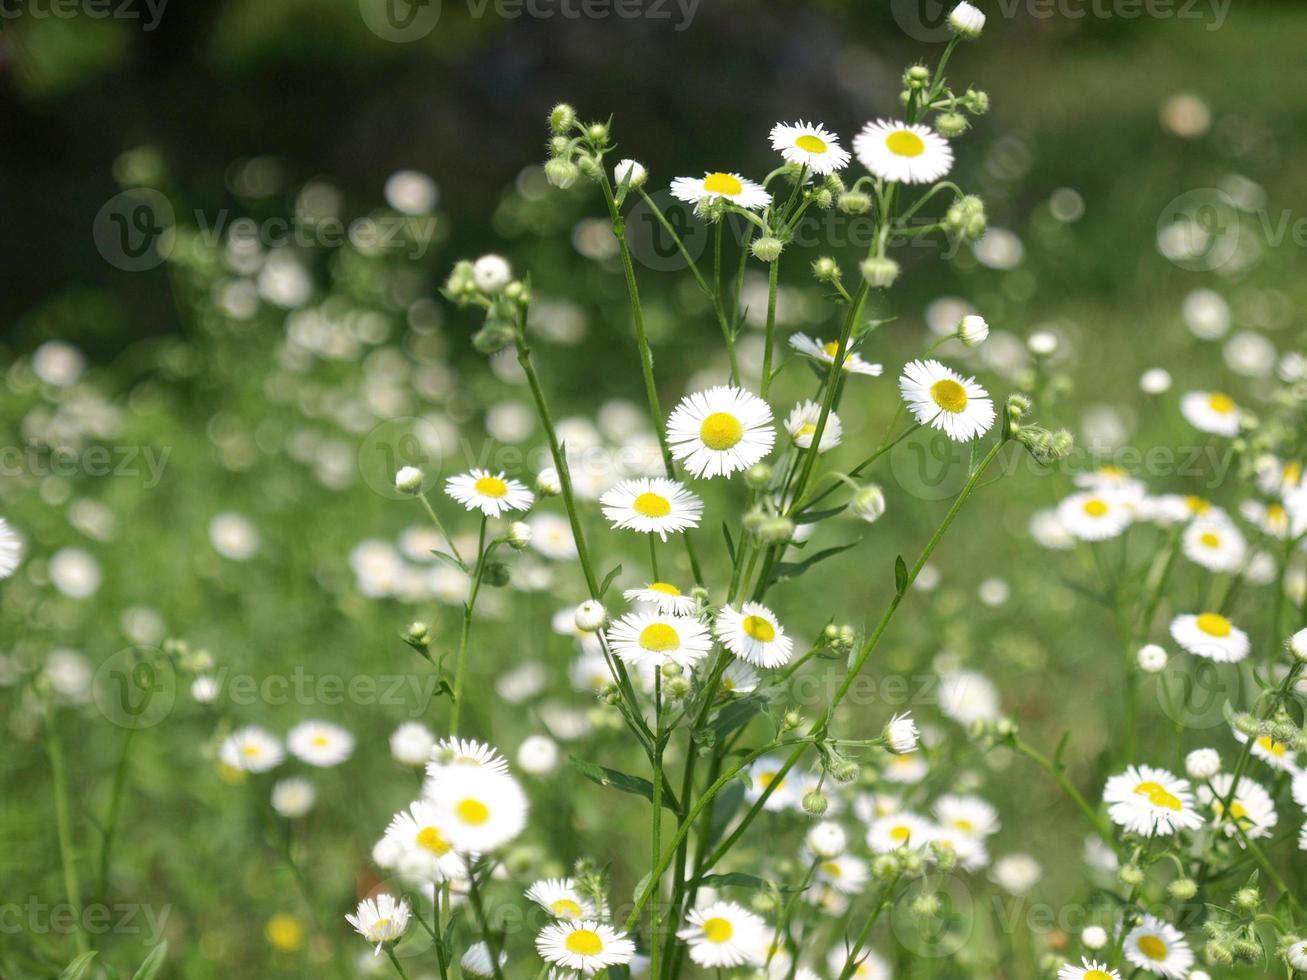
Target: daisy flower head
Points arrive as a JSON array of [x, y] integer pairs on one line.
[[901, 734], [1088, 970], [825, 351], [454, 756], [723, 934], [845, 873], [320, 743], [1159, 948], [719, 186], [587, 946], [381, 920], [251, 749], [739, 678], [418, 842], [481, 810], [811, 146], [720, 431], [1296, 954], [561, 899], [1275, 754], [943, 399], [1150, 802], [641, 638], [902, 829], [476, 961], [652, 506], [664, 597], [1094, 515], [1211, 411], [967, 815], [1216, 545], [1210, 635], [1252, 807], [11, 549], [903, 153], [765, 774], [802, 426], [490, 493], [753, 634], [966, 20]]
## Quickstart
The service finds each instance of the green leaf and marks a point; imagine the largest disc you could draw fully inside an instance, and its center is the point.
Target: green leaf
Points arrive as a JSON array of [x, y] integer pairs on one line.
[[730, 545], [153, 963], [736, 714], [724, 810], [1061, 747], [736, 878], [78, 967], [620, 780], [813, 516], [608, 580], [449, 560], [793, 569], [900, 575]]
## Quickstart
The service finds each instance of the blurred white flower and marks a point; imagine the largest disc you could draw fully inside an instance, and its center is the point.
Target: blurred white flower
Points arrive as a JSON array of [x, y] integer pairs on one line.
[[75, 573]]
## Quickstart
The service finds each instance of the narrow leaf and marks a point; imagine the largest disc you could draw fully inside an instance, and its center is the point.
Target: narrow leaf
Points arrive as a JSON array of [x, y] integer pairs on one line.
[[730, 545], [900, 575], [78, 967], [793, 569], [608, 580], [153, 963], [620, 780]]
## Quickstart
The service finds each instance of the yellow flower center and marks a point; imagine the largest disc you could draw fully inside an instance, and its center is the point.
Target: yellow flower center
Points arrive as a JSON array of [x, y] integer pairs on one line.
[[472, 811], [966, 826], [1158, 796], [1115, 472], [1197, 505], [831, 348], [758, 628], [721, 431], [659, 638], [1210, 539], [321, 741], [1219, 403], [250, 751], [949, 395], [717, 929], [1292, 473], [664, 588], [285, 933], [765, 779], [1275, 514], [905, 143], [584, 942], [810, 143], [1095, 508], [832, 869], [901, 833], [1097, 975], [1214, 624], [720, 183], [1277, 749], [491, 486], [429, 839], [652, 505], [807, 429], [1152, 947], [565, 908], [1237, 809]]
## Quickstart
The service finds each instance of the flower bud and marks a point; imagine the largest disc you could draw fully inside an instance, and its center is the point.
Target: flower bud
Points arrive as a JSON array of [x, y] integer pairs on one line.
[[826, 269], [776, 530], [869, 503], [493, 337], [590, 615], [562, 118], [973, 330], [901, 734], [519, 535], [630, 172], [597, 132], [1152, 659], [814, 803], [885, 866], [495, 575], [966, 21], [491, 273], [1298, 645], [548, 482], [844, 770], [916, 77], [1131, 875], [880, 272], [677, 688], [561, 173], [767, 248], [560, 146], [1182, 889], [975, 102], [925, 905], [1093, 937], [1202, 764], [951, 125], [791, 720], [855, 202], [418, 634], [408, 480]]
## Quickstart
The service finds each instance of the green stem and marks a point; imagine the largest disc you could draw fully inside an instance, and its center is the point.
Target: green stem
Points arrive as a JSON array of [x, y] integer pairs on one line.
[[655, 942], [492, 944], [773, 278], [851, 961], [63, 826], [728, 329], [435, 519], [1047, 764], [465, 633], [395, 960], [111, 818]]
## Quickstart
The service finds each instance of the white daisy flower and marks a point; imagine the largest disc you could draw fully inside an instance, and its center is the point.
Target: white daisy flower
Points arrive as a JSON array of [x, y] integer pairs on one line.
[[320, 743], [411, 743], [967, 20], [538, 755], [723, 934], [381, 920], [1275, 754], [944, 400], [561, 899], [455, 756], [1094, 515], [1210, 635], [293, 798], [902, 829], [1158, 947], [967, 815], [1211, 411], [901, 734], [664, 597], [1016, 873], [489, 493], [719, 431], [970, 853], [753, 634], [802, 426], [476, 961], [251, 749], [75, 573], [827, 839], [11, 549], [719, 186], [763, 774], [845, 873], [811, 146], [825, 351], [739, 678], [417, 840], [870, 966], [1088, 970], [903, 153], [1215, 545], [587, 946], [1252, 806], [655, 506], [1150, 802], [1296, 955], [968, 696], [641, 638], [1114, 480], [1299, 789], [481, 810]]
